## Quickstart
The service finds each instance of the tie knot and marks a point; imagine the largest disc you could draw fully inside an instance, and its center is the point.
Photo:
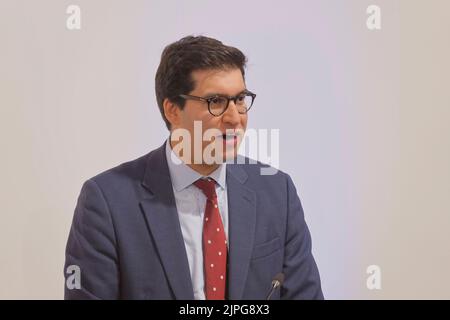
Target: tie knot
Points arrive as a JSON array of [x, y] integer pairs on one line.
[[208, 186]]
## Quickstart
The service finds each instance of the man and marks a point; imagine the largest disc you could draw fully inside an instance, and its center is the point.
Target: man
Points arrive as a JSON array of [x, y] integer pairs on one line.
[[171, 225]]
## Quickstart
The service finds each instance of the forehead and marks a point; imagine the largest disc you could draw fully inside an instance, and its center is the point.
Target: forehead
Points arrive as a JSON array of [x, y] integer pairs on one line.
[[218, 81]]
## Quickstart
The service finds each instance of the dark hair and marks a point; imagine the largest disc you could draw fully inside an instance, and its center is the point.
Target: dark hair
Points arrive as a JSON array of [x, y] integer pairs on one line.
[[181, 58]]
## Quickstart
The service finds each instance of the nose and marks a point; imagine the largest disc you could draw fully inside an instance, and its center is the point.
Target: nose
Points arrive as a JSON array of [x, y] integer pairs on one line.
[[231, 116]]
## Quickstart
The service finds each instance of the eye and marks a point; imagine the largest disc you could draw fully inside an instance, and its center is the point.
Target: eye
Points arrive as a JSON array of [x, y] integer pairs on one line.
[[218, 100], [215, 100], [241, 97]]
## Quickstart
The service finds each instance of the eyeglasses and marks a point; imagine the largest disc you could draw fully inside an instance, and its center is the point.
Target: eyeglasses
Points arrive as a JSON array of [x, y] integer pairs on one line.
[[218, 104]]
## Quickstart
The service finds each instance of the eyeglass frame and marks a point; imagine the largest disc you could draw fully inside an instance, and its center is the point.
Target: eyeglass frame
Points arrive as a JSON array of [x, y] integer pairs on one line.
[[229, 98]]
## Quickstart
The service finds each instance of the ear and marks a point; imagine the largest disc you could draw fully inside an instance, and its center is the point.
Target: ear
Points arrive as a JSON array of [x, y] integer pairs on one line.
[[172, 112]]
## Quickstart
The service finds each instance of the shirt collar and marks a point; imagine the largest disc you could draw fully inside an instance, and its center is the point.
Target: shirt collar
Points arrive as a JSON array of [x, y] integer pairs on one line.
[[183, 176]]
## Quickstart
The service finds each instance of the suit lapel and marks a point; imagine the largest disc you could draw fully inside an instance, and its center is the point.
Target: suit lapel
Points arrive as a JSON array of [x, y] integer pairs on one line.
[[242, 217], [162, 218]]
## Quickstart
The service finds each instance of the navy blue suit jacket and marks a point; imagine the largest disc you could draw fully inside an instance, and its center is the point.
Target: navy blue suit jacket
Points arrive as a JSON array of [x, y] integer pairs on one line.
[[127, 241]]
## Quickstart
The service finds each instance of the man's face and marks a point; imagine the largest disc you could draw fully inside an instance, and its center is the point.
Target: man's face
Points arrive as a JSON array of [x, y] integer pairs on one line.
[[207, 83]]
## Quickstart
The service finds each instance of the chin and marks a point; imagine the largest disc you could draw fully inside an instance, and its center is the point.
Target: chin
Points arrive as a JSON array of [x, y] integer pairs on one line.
[[227, 156]]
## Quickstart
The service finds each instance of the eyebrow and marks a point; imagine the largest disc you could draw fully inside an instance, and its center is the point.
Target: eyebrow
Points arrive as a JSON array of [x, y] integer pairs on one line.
[[212, 94]]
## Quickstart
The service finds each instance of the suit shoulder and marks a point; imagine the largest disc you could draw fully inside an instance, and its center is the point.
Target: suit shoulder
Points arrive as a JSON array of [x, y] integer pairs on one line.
[[259, 171]]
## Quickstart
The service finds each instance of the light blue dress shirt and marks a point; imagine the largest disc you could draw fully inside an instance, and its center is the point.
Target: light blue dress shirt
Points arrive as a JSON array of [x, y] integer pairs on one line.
[[191, 202]]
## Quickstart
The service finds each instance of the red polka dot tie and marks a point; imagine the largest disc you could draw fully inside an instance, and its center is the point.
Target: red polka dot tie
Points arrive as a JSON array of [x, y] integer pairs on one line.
[[214, 243]]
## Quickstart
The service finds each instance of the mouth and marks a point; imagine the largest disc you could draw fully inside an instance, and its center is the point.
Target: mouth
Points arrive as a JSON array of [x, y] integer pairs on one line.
[[229, 139]]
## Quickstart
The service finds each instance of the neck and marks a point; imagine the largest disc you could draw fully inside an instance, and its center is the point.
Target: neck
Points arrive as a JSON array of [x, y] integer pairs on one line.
[[202, 168]]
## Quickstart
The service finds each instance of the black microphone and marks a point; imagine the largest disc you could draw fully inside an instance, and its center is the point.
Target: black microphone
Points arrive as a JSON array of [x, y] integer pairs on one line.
[[276, 283]]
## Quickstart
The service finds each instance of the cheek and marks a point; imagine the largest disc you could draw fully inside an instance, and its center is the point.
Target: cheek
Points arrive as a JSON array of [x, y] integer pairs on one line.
[[209, 121], [189, 115], [196, 113], [244, 119], [186, 115]]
